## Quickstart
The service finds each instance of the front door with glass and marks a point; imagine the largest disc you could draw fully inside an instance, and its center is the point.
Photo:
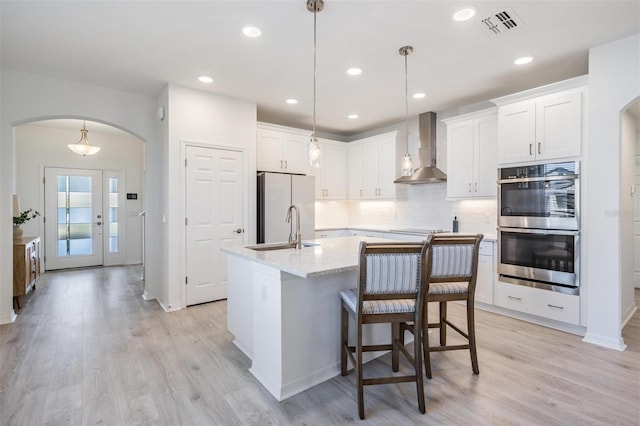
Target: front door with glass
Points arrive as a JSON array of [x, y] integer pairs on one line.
[[75, 220]]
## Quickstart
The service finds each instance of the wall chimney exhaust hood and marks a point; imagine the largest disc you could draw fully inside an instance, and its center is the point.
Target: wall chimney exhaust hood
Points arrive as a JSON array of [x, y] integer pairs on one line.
[[427, 172]]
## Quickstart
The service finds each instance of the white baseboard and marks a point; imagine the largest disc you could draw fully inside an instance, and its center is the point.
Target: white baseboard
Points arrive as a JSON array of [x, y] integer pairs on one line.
[[617, 344], [8, 319]]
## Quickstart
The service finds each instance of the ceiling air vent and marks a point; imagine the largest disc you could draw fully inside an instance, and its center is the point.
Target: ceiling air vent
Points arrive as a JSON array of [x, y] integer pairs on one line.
[[500, 22]]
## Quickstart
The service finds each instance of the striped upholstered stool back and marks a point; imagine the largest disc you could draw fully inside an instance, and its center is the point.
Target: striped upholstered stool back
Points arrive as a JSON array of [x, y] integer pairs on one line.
[[389, 273], [453, 259]]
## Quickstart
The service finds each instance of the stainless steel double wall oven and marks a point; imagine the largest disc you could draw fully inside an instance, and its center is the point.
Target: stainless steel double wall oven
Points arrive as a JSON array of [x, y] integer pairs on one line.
[[539, 226]]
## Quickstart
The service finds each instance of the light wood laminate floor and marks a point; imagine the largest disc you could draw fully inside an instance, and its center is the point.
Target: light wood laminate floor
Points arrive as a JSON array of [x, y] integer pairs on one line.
[[87, 349]]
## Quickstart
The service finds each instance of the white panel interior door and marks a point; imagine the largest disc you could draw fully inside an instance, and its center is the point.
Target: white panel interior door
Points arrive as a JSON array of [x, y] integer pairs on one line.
[[214, 215], [73, 218]]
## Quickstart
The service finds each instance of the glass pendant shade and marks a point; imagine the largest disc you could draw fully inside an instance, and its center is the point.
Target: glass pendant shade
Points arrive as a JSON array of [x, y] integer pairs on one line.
[[315, 154], [407, 165], [83, 147]]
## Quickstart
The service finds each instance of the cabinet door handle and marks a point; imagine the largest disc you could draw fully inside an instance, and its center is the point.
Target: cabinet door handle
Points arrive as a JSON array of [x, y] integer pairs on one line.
[[476, 190], [327, 192], [539, 148], [515, 298], [361, 192], [555, 306], [530, 149], [469, 186], [281, 164], [286, 164]]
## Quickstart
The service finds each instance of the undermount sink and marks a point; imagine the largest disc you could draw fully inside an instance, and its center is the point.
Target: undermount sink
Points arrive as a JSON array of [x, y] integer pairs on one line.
[[283, 246]]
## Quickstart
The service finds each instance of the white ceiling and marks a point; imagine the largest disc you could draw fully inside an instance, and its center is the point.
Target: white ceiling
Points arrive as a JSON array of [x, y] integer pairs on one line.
[[141, 46]]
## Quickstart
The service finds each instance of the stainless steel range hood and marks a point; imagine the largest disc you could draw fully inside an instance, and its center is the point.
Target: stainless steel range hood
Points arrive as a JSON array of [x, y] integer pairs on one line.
[[427, 172]]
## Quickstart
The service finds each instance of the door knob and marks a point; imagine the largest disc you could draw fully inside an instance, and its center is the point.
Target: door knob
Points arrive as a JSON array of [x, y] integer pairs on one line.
[[98, 223], [239, 231]]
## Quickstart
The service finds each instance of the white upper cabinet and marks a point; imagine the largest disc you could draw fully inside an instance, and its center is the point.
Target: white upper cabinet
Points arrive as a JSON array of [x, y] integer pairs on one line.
[[373, 168], [472, 151], [280, 149], [355, 170], [541, 128], [331, 176]]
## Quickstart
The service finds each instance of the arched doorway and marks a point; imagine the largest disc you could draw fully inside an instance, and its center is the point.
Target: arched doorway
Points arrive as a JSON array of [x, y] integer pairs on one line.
[[118, 169]]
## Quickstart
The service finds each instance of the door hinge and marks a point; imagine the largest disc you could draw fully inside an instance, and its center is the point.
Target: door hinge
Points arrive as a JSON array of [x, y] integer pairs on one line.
[[43, 180], [185, 162], [186, 280], [44, 219], [186, 221]]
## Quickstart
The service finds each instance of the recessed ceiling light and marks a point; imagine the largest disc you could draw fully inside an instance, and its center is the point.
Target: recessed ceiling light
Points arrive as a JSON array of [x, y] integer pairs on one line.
[[352, 116], [523, 60], [419, 95], [291, 101], [205, 79], [354, 71], [252, 32], [464, 14]]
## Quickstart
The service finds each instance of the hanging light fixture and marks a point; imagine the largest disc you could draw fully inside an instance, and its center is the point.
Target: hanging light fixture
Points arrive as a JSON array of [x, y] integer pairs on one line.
[[82, 147], [315, 154], [407, 162]]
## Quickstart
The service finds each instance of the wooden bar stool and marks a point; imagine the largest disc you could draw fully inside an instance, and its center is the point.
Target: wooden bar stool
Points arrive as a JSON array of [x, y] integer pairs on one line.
[[452, 269], [389, 291]]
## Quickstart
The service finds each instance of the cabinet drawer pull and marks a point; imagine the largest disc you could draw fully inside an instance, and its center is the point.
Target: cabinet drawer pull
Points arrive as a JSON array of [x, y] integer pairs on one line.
[[514, 298], [555, 306]]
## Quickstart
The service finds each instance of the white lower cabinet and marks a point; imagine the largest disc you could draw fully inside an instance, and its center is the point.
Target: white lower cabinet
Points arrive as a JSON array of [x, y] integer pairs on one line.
[[543, 303], [333, 233], [486, 273]]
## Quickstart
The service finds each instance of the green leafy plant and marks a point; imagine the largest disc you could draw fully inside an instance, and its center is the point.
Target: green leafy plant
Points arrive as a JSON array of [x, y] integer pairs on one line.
[[25, 216]]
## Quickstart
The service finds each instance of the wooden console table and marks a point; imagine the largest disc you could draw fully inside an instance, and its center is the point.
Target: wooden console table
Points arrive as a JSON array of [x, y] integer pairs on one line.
[[26, 266]]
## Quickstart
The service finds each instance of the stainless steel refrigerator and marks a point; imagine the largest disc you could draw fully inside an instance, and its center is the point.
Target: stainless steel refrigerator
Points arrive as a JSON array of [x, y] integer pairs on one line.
[[278, 191]]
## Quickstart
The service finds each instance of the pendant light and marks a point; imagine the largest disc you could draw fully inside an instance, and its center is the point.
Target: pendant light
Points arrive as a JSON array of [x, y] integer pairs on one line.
[[83, 147], [407, 162], [315, 154]]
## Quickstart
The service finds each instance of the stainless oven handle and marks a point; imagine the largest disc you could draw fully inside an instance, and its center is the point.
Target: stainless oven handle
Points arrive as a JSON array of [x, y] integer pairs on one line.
[[539, 231], [539, 179]]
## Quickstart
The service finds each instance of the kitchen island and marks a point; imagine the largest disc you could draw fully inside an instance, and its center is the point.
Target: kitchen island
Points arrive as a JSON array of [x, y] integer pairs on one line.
[[283, 309]]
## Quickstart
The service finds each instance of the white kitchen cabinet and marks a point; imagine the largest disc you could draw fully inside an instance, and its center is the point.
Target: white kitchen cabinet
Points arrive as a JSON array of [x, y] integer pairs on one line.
[[280, 149], [486, 273], [472, 151], [367, 233], [534, 301], [331, 176], [333, 233], [380, 167], [544, 128], [355, 170]]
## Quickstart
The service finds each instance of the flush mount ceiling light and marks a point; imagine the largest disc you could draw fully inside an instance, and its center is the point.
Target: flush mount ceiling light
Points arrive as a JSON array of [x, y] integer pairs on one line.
[[314, 6], [352, 116], [407, 162], [291, 101], [419, 95], [464, 14], [523, 61], [251, 31], [205, 79], [354, 71], [83, 147]]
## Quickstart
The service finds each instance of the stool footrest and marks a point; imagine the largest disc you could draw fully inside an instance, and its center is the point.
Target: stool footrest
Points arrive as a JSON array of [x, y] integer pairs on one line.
[[447, 348], [387, 380]]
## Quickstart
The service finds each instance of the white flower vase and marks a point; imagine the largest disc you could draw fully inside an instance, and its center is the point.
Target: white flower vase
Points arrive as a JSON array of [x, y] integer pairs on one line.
[[17, 232]]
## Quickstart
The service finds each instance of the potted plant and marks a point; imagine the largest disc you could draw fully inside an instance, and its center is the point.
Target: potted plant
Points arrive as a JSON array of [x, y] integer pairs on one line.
[[23, 217]]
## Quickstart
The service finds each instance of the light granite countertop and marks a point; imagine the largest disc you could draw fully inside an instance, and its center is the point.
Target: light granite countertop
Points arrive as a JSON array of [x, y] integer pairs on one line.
[[409, 231], [329, 256]]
